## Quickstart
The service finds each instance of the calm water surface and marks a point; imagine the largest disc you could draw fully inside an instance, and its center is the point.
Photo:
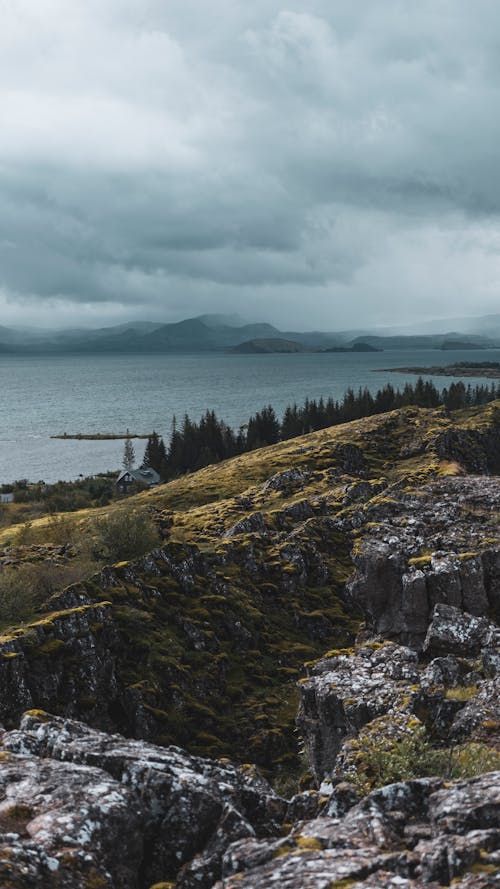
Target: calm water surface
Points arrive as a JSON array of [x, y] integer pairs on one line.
[[44, 396]]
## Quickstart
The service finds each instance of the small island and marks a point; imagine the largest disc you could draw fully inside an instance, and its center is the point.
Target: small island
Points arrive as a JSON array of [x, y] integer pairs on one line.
[[490, 369], [99, 436], [267, 346], [279, 345], [356, 347]]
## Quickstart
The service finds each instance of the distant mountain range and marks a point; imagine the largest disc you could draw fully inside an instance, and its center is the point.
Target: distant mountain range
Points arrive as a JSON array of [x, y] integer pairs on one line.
[[210, 333]]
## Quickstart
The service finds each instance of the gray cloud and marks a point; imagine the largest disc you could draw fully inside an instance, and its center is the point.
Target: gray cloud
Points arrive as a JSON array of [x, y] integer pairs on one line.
[[313, 168]]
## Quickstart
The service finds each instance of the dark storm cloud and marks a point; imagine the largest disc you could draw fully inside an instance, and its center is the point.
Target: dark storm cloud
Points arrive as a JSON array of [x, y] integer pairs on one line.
[[311, 167]]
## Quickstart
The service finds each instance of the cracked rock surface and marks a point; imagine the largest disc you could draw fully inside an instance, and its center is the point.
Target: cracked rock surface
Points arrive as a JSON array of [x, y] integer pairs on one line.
[[419, 833], [435, 545], [385, 689], [80, 808]]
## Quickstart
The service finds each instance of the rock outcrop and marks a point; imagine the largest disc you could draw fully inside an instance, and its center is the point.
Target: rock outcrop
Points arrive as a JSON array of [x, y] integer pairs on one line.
[[345, 692], [382, 690], [171, 646], [82, 809], [380, 708], [458, 633], [422, 833], [436, 545]]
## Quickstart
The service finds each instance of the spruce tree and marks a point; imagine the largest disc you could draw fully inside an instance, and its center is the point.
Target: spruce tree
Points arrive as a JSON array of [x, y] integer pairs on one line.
[[155, 454], [128, 455]]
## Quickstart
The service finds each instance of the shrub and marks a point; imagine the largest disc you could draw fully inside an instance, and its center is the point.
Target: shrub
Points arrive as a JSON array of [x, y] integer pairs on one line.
[[123, 535], [473, 759], [23, 590], [17, 596], [385, 760], [412, 757]]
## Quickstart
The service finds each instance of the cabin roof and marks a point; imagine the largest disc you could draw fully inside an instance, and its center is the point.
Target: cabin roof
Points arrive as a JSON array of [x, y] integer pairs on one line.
[[144, 474]]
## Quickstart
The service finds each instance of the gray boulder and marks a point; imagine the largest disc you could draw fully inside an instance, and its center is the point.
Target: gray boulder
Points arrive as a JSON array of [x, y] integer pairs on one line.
[[454, 632], [423, 833], [347, 691], [131, 813], [439, 546]]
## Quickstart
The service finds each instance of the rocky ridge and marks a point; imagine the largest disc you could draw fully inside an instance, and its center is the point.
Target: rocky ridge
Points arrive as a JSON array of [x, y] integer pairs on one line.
[[437, 544], [201, 642], [383, 691], [81, 809]]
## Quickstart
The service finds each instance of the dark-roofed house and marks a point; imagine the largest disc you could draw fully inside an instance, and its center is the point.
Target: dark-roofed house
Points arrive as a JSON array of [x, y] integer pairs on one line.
[[143, 476]]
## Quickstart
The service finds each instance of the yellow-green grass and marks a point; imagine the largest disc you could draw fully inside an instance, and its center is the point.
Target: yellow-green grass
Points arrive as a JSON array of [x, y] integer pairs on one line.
[[208, 494]]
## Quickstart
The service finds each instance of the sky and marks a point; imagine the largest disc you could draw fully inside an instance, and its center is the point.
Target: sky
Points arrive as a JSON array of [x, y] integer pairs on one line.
[[329, 164]]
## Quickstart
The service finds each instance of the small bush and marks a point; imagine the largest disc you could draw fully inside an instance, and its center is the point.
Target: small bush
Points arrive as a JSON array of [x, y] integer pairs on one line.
[[385, 760], [17, 596], [473, 759], [123, 535], [23, 590]]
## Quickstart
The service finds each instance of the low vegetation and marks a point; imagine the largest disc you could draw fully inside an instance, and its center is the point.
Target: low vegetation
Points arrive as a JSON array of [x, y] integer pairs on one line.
[[76, 551], [125, 534], [384, 760], [215, 629], [25, 589]]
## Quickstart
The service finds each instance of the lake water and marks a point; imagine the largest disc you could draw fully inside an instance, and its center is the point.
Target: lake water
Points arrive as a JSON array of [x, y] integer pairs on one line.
[[49, 395]]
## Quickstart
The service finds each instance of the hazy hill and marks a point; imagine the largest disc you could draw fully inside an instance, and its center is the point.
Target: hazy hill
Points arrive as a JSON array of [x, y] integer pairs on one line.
[[265, 346], [192, 334], [219, 333], [484, 325], [428, 341]]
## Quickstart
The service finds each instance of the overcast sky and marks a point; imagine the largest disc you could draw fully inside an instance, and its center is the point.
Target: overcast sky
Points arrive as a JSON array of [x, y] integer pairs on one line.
[[324, 164]]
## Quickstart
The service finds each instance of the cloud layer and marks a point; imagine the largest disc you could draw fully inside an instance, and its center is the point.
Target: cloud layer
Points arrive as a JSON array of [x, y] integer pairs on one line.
[[329, 168]]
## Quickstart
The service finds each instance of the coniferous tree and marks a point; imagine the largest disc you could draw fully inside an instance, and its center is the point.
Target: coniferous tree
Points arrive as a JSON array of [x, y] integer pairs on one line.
[[291, 425], [155, 455], [195, 445], [128, 455], [456, 396]]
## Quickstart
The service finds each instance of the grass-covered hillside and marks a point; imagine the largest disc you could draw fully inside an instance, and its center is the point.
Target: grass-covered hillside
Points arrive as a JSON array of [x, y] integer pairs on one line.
[[192, 608]]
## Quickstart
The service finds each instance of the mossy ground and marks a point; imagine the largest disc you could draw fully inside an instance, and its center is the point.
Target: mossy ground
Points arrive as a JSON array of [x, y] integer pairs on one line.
[[214, 632]]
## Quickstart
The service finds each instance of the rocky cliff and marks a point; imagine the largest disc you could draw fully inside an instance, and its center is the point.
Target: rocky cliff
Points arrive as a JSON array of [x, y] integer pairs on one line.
[[377, 543], [435, 544], [268, 561], [80, 809]]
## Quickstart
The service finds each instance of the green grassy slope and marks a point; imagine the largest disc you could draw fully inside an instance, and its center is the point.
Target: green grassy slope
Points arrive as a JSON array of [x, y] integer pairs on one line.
[[201, 643]]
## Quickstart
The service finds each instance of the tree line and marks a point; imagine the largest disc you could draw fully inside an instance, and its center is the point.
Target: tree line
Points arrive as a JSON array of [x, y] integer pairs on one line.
[[194, 445]]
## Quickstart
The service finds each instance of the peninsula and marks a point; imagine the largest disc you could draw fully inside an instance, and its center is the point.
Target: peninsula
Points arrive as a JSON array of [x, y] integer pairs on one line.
[[490, 369]]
